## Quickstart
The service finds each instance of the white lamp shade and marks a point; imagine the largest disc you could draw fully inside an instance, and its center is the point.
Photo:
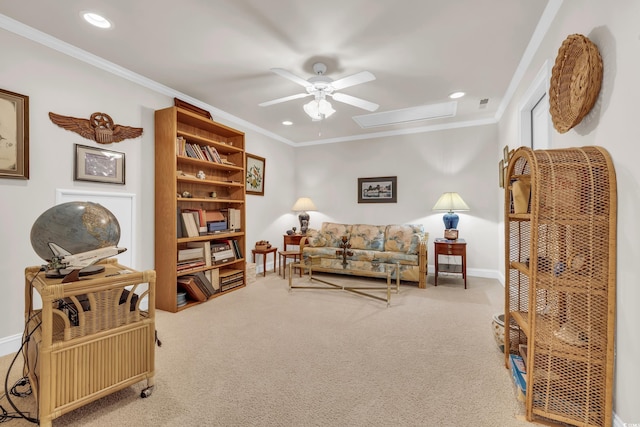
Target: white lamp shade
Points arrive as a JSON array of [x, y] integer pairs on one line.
[[318, 109], [450, 202], [304, 204]]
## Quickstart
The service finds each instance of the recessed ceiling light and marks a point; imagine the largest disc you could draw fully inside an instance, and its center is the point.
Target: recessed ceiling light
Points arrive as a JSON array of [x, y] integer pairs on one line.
[[456, 95], [96, 20], [287, 123]]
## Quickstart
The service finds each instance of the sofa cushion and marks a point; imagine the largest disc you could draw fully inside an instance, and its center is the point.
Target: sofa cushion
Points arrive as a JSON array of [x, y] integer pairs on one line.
[[368, 237], [404, 238], [333, 232], [316, 239]]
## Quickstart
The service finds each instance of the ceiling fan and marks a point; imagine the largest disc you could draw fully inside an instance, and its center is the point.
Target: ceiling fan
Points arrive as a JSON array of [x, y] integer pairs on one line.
[[320, 87]]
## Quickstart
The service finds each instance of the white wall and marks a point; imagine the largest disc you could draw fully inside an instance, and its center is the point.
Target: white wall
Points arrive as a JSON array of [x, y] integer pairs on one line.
[[426, 165], [612, 124], [58, 83]]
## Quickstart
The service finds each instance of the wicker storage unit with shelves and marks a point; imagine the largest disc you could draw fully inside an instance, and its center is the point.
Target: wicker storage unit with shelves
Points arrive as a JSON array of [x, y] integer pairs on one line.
[[91, 338], [560, 282], [178, 187]]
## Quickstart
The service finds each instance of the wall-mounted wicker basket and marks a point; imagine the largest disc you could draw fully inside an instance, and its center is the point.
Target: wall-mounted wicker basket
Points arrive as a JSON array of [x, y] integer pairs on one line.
[[575, 82]]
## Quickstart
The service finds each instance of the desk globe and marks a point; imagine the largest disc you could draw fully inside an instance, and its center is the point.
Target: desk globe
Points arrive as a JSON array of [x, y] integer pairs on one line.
[[76, 227]]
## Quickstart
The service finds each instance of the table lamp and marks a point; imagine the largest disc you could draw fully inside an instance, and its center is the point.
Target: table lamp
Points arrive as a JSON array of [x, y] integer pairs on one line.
[[450, 202], [302, 205]]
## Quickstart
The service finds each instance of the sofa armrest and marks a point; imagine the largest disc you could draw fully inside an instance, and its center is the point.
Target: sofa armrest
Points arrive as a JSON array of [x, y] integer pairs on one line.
[[303, 243], [422, 262]]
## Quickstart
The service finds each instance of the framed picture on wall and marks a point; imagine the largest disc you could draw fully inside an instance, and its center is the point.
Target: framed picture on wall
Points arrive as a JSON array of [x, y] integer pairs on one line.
[[98, 165], [254, 182], [14, 135], [378, 190]]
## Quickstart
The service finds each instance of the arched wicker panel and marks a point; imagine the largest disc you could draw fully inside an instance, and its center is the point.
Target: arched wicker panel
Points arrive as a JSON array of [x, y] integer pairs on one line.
[[560, 290]]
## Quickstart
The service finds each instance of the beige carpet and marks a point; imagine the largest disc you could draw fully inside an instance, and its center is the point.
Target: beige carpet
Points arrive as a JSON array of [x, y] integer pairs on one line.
[[264, 356]]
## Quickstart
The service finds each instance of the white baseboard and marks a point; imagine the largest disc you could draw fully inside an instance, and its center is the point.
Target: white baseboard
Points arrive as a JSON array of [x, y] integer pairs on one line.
[[9, 345]]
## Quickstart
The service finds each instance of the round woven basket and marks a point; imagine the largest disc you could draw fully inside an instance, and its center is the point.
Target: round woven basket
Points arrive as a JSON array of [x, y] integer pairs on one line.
[[575, 82]]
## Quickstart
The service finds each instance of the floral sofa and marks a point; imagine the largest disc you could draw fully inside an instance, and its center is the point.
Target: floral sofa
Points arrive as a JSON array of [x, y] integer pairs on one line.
[[373, 244]]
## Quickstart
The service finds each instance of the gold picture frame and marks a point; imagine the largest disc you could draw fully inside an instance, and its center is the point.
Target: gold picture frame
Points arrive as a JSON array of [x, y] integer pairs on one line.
[[99, 165], [14, 135]]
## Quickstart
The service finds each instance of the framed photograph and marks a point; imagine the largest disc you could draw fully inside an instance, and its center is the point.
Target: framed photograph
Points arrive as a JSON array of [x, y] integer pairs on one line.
[[378, 190], [505, 154], [501, 173], [98, 165], [254, 183], [14, 135]]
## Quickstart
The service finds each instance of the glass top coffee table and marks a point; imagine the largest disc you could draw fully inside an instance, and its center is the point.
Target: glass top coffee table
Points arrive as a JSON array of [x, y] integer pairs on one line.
[[313, 265]]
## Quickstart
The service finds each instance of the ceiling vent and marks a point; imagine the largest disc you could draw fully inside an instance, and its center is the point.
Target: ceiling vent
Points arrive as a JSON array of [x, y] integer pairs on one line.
[[484, 102], [407, 115]]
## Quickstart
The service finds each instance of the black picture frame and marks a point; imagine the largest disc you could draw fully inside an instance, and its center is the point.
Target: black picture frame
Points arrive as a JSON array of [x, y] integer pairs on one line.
[[99, 165], [14, 135], [382, 189]]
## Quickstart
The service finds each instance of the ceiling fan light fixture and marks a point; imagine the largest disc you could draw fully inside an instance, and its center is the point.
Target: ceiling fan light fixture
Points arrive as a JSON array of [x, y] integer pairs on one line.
[[318, 109]]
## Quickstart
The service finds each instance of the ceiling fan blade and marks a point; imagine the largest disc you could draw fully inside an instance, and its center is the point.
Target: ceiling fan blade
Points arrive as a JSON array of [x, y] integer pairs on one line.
[[285, 99], [289, 75], [356, 102], [352, 80]]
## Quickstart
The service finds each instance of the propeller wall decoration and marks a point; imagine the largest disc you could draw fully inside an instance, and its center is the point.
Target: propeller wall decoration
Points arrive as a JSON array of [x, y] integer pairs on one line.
[[320, 87]]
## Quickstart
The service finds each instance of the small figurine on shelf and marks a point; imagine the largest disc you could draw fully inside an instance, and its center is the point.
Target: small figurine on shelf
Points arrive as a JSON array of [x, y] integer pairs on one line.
[[201, 175], [293, 229]]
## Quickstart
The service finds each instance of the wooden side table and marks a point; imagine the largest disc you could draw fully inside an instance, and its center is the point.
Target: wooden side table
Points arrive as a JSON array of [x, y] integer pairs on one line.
[[451, 248], [264, 253], [291, 239]]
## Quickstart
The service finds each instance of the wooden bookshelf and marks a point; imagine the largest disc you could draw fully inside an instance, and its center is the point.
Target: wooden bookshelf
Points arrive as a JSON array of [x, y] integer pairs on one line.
[[178, 188]]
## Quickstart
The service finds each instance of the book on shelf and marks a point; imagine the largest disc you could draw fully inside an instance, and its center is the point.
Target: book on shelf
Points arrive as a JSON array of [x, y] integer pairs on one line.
[[215, 221], [192, 229], [194, 291], [200, 217], [202, 282], [191, 253], [231, 278], [221, 257], [206, 250], [235, 246], [233, 218], [190, 265], [180, 144]]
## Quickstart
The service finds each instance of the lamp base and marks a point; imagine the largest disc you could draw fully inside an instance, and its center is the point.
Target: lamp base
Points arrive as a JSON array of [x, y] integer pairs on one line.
[[304, 222], [450, 220]]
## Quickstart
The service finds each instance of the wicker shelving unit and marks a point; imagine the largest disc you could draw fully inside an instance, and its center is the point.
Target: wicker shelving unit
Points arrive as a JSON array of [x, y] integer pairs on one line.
[[560, 283]]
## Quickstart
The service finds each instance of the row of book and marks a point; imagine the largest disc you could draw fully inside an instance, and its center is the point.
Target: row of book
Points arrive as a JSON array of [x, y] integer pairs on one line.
[[198, 286], [204, 254], [231, 278], [195, 151], [200, 222]]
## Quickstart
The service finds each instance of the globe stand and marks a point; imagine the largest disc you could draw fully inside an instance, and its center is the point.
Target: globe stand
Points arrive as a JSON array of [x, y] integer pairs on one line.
[[60, 273]]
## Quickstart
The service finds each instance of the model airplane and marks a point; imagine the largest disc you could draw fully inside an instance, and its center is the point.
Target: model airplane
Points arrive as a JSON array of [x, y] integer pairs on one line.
[[70, 265]]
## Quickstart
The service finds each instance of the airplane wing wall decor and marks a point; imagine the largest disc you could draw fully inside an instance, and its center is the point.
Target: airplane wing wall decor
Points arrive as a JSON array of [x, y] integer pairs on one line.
[[99, 127]]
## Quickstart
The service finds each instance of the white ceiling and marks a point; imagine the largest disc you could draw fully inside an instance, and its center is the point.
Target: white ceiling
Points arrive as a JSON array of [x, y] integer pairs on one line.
[[220, 52]]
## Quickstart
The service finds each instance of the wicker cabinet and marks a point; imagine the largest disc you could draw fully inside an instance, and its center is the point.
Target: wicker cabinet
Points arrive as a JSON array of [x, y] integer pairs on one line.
[[180, 186], [91, 338], [560, 233]]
